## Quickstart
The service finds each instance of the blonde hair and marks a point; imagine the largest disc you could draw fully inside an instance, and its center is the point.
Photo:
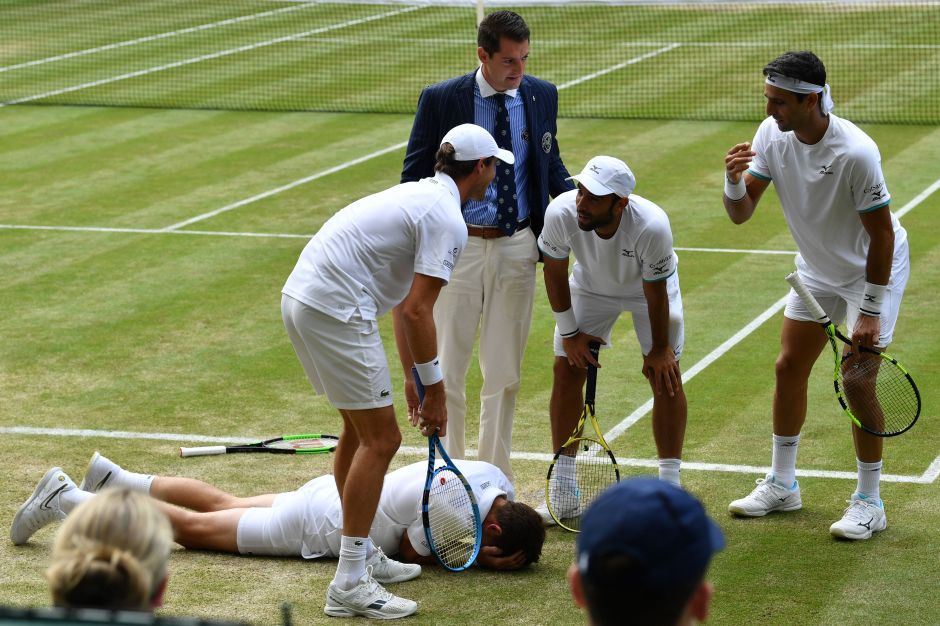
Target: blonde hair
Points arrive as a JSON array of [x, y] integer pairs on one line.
[[111, 553]]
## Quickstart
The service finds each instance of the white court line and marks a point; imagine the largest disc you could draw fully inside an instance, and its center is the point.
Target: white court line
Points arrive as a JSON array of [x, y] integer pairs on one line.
[[923, 195], [207, 57], [619, 66], [149, 231], [291, 185], [784, 252], [927, 477], [149, 38]]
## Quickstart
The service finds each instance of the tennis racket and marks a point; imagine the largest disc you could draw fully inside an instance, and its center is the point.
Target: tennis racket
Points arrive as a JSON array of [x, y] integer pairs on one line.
[[288, 444], [449, 510], [874, 390], [583, 466]]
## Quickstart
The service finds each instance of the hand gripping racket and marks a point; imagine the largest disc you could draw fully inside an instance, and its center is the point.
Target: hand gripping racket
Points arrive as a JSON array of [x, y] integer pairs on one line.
[[874, 390], [583, 466], [449, 511], [288, 444]]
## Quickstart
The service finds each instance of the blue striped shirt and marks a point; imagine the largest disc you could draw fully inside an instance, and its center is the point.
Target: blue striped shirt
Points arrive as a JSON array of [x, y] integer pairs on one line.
[[483, 212]]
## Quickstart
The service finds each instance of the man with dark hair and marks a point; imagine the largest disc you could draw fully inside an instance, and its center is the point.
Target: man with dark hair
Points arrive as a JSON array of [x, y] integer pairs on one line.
[[642, 554], [625, 262], [392, 250], [853, 257], [493, 287], [307, 522]]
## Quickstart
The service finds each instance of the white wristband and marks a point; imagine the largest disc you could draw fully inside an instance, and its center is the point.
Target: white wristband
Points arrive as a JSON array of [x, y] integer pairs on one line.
[[430, 372], [872, 299], [567, 324], [735, 191]]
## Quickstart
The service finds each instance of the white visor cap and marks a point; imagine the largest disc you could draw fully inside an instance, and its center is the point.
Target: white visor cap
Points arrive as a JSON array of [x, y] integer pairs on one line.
[[472, 142], [604, 175]]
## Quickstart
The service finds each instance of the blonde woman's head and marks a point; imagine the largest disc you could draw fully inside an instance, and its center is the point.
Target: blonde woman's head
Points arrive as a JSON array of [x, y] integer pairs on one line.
[[112, 553]]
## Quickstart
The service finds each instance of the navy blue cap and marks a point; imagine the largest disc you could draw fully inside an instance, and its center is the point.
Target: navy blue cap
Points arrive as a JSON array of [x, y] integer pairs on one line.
[[662, 528]]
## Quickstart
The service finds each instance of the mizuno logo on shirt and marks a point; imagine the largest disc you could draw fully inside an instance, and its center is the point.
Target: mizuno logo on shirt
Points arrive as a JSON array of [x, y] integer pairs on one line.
[[627, 253], [825, 170]]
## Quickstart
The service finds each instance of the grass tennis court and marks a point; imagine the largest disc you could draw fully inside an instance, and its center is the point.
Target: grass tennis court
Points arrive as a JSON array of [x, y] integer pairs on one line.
[[142, 253], [112, 324]]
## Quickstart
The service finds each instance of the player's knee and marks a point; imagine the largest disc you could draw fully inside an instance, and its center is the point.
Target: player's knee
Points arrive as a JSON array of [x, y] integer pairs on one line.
[[567, 374], [790, 369]]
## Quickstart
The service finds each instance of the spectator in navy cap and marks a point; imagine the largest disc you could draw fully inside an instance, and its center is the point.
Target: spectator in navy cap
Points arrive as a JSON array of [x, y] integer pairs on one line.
[[641, 557]]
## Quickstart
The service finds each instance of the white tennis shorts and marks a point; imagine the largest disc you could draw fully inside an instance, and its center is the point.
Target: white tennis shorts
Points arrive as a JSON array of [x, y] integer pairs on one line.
[[597, 314], [344, 360], [841, 303]]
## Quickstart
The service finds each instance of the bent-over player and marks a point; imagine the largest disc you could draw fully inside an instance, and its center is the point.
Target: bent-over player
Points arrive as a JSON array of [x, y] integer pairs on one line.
[[622, 244]]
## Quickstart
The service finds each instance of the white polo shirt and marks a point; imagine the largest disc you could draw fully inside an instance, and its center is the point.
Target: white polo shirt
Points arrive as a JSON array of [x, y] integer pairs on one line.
[[366, 255], [822, 189], [399, 509], [641, 250]]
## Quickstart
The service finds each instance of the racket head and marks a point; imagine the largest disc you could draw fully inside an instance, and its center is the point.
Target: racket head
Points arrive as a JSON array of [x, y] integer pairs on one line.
[[449, 513], [595, 469], [301, 444], [878, 394]]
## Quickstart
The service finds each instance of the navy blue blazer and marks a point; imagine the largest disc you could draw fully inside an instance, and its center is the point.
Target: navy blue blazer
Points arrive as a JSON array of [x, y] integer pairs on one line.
[[450, 103]]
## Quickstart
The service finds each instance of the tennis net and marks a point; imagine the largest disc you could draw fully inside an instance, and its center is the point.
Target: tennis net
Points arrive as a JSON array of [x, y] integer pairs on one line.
[[668, 60]]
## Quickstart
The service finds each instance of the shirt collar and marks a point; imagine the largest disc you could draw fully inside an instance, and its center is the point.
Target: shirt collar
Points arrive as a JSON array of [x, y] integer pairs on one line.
[[486, 90], [449, 183]]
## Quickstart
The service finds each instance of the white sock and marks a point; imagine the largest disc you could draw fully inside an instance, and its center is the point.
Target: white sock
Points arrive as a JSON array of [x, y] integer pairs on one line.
[[352, 562], [121, 477], [566, 473], [869, 479], [784, 460], [370, 548], [70, 499], [669, 470]]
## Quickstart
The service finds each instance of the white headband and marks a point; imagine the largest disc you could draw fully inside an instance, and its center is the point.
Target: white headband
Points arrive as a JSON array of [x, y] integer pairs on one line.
[[798, 86]]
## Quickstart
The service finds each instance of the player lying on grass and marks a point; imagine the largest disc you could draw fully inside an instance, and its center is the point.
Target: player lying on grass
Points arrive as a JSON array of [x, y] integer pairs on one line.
[[306, 522]]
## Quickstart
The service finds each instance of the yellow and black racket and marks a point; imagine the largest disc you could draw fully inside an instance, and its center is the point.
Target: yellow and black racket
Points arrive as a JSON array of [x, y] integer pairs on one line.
[[583, 467], [874, 390]]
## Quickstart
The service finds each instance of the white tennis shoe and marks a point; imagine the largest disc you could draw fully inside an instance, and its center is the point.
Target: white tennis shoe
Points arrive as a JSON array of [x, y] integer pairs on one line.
[[101, 473], [386, 570], [42, 508], [768, 496], [367, 599], [566, 504], [861, 518]]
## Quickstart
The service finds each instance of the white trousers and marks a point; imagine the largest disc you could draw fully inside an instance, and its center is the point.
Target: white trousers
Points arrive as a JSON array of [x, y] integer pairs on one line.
[[491, 288]]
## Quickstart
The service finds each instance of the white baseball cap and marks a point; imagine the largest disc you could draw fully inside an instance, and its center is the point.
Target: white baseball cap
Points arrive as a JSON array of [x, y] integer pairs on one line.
[[472, 142], [604, 175]]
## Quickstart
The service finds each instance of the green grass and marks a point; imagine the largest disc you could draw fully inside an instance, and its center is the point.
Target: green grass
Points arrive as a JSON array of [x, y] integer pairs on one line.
[[658, 60], [167, 332]]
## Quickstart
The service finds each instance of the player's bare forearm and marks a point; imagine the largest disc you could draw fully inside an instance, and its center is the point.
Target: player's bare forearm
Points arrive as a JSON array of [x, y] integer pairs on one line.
[[741, 206], [880, 231], [555, 274]]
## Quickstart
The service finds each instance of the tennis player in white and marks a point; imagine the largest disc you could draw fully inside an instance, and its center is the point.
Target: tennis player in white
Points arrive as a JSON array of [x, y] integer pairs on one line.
[[625, 262], [853, 257], [307, 522], [394, 249]]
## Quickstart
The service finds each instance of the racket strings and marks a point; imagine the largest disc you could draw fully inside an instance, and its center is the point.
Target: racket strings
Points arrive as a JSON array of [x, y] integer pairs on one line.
[[451, 520], [581, 473], [880, 394]]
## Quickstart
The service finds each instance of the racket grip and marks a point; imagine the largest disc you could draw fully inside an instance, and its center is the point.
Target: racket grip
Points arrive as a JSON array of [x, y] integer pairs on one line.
[[808, 300], [202, 451]]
